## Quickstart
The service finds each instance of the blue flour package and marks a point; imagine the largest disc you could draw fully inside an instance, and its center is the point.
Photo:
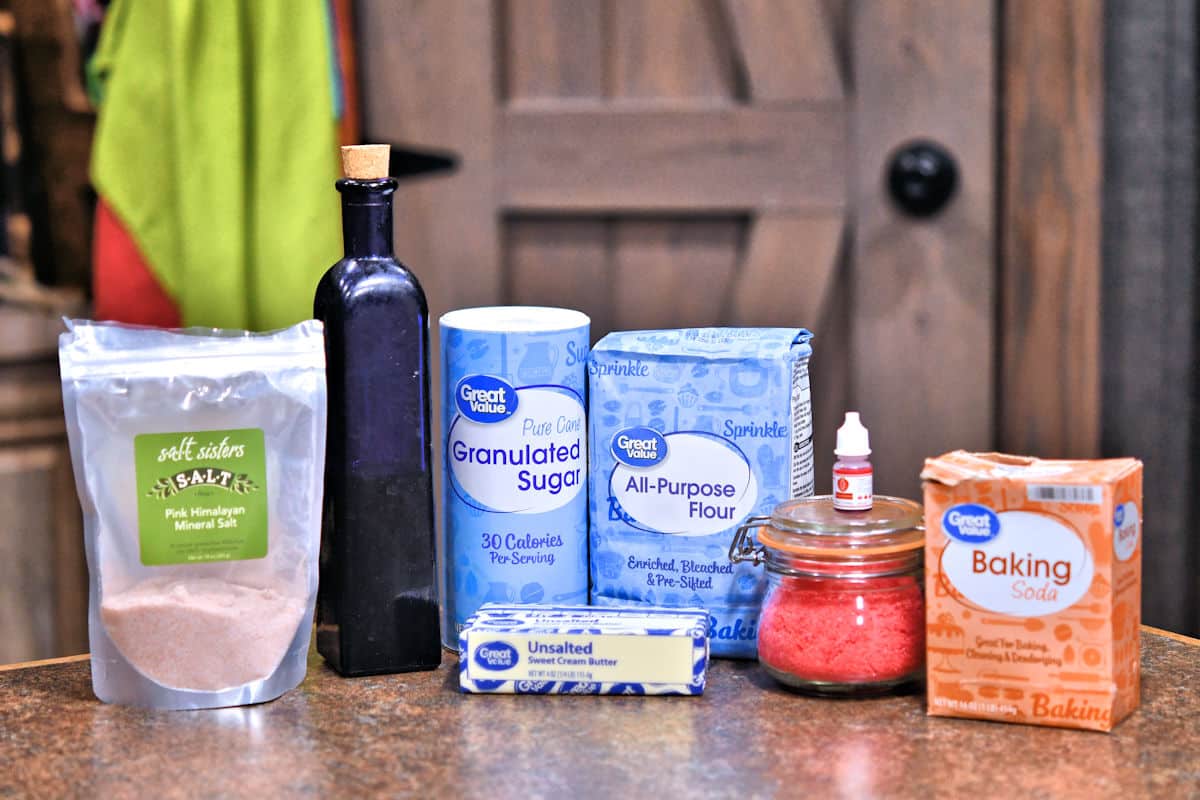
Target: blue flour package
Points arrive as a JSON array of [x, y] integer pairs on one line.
[[691, 432], [515, 458]]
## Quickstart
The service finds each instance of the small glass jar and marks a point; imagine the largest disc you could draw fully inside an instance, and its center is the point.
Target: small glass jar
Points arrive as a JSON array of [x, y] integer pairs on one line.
[[844, 610]]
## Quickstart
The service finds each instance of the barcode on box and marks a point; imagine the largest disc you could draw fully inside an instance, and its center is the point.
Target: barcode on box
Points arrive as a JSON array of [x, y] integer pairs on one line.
[[1043, 493]]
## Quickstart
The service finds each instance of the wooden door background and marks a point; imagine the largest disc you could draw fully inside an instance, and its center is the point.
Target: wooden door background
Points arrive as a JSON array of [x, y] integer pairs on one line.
[[665, 162], [713, 162]]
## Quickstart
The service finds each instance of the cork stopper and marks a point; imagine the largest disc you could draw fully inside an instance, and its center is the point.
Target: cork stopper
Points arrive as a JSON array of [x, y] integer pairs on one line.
[[366, 162]]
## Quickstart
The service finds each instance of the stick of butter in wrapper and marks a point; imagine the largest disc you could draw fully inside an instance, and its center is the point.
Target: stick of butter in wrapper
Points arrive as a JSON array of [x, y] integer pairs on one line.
[[551, 649]]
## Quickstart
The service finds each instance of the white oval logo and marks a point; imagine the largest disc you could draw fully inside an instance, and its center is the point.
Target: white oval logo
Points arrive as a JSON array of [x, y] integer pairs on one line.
[[1035, 566], [528, 463], [1126, 530], [704, 485]]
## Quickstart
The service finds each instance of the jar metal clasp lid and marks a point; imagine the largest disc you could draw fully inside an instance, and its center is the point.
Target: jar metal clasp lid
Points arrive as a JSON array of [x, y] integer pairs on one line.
[[745, 547]]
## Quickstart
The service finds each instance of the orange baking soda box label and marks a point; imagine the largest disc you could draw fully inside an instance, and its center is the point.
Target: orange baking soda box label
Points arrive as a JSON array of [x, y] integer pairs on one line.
[[1033, 573]]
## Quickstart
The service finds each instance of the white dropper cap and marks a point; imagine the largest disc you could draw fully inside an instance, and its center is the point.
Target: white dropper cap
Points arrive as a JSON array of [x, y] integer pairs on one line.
[[852, 437]]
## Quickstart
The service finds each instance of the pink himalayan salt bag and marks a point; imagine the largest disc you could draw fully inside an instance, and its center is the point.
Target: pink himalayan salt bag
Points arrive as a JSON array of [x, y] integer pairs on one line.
[[198, 458]]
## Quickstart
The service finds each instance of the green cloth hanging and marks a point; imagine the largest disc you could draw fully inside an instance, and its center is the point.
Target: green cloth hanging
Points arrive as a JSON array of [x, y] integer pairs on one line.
[[216, 146]]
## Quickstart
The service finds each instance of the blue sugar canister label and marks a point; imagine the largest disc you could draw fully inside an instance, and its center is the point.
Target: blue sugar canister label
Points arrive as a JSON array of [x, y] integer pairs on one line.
[[515, 458], [692, 431]]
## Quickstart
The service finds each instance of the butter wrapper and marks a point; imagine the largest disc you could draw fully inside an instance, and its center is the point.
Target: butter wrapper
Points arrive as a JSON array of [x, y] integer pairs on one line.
[[551, 649]]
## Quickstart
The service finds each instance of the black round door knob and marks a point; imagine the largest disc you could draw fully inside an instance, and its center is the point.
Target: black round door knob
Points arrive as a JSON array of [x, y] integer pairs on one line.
[[922, 177]]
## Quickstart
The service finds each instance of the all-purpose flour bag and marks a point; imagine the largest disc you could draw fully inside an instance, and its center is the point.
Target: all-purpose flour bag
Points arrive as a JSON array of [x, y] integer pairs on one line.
[[198, 458], [692, 431]]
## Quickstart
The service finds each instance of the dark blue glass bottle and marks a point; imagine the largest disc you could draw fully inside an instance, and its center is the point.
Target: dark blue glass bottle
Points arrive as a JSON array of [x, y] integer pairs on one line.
[[377, 606]]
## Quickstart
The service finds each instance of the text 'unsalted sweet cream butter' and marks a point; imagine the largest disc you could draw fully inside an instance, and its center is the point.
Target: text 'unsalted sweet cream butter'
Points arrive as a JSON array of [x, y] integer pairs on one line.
[[547, 649], [1033, 588]]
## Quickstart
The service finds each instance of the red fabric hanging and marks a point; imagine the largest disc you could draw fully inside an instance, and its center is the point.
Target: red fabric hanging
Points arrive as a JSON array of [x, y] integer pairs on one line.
[[124, 289]]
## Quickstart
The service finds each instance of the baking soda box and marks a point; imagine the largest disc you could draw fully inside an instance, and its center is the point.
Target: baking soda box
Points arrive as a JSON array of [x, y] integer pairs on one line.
[[1033, 581]]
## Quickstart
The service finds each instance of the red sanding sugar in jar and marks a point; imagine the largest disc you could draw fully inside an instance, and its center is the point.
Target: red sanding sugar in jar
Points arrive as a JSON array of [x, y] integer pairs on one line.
[[844, 611]]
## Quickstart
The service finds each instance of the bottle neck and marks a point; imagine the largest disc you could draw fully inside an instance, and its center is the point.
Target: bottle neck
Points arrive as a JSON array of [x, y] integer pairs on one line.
[[367, 217]]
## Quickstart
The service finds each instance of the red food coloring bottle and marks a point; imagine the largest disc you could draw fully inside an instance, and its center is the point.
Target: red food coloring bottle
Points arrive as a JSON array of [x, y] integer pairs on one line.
[[853, 475]]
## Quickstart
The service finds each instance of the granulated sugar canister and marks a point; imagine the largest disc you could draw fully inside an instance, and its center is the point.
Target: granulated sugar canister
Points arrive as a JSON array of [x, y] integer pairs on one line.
[[515, 458], [844, 611]]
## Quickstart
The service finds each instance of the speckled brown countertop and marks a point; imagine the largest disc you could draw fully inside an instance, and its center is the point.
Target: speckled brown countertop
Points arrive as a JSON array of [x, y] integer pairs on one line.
[[415, 734]]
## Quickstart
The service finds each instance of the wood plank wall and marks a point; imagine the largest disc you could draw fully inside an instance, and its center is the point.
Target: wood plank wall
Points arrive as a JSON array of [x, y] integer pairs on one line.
[[923, 296], [1099, 327], [1049, 322], [1151, 319]]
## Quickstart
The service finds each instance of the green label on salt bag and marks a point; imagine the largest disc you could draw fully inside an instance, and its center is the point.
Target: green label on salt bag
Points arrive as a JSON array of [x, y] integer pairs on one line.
[[202, 496]]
